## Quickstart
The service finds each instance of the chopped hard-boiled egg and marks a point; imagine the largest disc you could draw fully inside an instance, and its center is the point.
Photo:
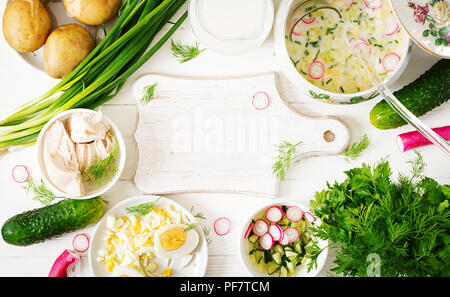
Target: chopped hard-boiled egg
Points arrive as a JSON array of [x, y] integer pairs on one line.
[[132, 242]]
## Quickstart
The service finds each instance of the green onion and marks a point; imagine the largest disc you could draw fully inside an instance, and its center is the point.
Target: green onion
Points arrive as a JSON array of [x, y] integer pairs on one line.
[[101, 75]]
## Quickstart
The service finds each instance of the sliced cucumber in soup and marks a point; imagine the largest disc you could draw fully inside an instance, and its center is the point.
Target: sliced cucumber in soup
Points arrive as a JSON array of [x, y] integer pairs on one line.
[[253, 239], [277, 258], [272, 267], [283, 271]]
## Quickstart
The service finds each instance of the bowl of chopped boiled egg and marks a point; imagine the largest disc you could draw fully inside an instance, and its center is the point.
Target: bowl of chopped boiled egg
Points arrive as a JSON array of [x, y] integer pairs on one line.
[[148, 236]]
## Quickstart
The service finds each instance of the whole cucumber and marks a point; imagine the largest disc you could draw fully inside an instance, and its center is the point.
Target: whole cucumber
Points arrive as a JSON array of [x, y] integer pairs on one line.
[[430, 90], [43, 223]]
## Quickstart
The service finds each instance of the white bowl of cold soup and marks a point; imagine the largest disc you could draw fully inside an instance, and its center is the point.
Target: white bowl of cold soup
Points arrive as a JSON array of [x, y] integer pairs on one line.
[[317, 57]]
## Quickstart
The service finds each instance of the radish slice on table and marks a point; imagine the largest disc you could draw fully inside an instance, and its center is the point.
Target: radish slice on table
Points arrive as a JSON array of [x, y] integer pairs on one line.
[[294, 214], [316, 70], [248, 230], [292, 234], [261, 100], [274, 214], [311, 215], [80, 242], [222, 226], [411, 140], [276, 231], [390, 61], [266, 241], [59, 268], [373, 4], [260, 228], [285, 240], [20, 174]]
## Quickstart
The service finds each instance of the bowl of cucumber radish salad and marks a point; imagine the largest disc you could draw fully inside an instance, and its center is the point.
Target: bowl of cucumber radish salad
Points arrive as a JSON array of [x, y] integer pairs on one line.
[[276, 239]]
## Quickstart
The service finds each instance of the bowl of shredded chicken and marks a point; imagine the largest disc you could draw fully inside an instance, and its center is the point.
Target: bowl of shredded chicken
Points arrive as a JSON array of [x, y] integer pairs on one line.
[[81, 154]]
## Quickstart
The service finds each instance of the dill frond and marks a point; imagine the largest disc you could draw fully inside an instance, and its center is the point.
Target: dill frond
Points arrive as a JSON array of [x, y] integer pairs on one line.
[[184, 52]]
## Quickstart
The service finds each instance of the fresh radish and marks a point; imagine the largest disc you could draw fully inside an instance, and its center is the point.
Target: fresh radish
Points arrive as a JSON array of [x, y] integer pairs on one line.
[[411, 140], [74, 269], [361, 45], [390, 61], [285, 240], [276, 231], [373, 4], [311, 215], [392, 26], [260, 228], [266, 241], [80, 242], [59, 268], [350, 3], [261, 100], [294, 214], [274, 214], [308, 20], [222, 226], [20, 174], [292, 234], [248, 230], [316, 70]]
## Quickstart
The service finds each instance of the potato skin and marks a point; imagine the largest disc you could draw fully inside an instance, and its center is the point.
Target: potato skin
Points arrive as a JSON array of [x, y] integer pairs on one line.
[[65, 48], [26, 26], [92, 12]]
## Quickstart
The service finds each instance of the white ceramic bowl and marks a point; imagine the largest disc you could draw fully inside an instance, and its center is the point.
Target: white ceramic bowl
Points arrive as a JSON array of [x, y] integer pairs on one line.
[[93, 191], [288, 68], [228, 46], [198, 265], [300, 271]]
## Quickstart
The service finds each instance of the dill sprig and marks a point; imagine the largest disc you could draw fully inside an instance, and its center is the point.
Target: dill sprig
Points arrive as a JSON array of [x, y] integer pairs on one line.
[[185, 52], [286, 151], [103, 171], [417, 166], [40, 191], [191, 226], [354, 150], [206, 231], [143, 208], [198, 215], [149, 93]]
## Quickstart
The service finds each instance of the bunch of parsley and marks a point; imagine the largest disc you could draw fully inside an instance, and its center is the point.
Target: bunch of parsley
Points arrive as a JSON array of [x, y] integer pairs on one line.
[[406, 223]]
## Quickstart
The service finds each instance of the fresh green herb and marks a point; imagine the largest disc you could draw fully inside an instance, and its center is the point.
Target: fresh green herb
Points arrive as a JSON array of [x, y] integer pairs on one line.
[[404, 223], [40, 191], [185, 53], [102, 74], [198, 215], [143, 208], [149, 93], [286, 152], [354, 150], [191, 226], [103, 171], [206, 231]]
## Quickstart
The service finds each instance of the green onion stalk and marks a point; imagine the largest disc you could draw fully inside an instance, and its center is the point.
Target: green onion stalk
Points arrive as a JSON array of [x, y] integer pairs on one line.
[[101, 75]]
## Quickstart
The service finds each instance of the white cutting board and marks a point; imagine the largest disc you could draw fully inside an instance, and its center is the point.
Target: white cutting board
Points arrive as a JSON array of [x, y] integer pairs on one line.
[[205, 135]]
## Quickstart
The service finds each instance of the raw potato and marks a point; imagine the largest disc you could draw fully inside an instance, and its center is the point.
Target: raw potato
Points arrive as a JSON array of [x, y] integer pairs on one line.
[[92, 12], [26, 25], [65, 48]]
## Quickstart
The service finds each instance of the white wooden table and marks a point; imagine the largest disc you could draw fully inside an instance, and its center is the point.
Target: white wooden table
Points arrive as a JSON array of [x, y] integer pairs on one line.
[[20, 83]]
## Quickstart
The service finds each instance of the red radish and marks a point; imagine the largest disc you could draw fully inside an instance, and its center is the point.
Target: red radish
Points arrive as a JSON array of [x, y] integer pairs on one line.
[[308, 20], [276, 231], [284, 241], [260, 228], [294, 214], [312, 216], [80, 242], [316, 70], [362, 45], [248, 230], [350, 3], [392, 26], [390, 61], [411, 140], [74, 269], [373, 4], [292, 234], [59, 268], [20, 174], [266, 241], [274, 214], [261, 100], [222, 226]]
